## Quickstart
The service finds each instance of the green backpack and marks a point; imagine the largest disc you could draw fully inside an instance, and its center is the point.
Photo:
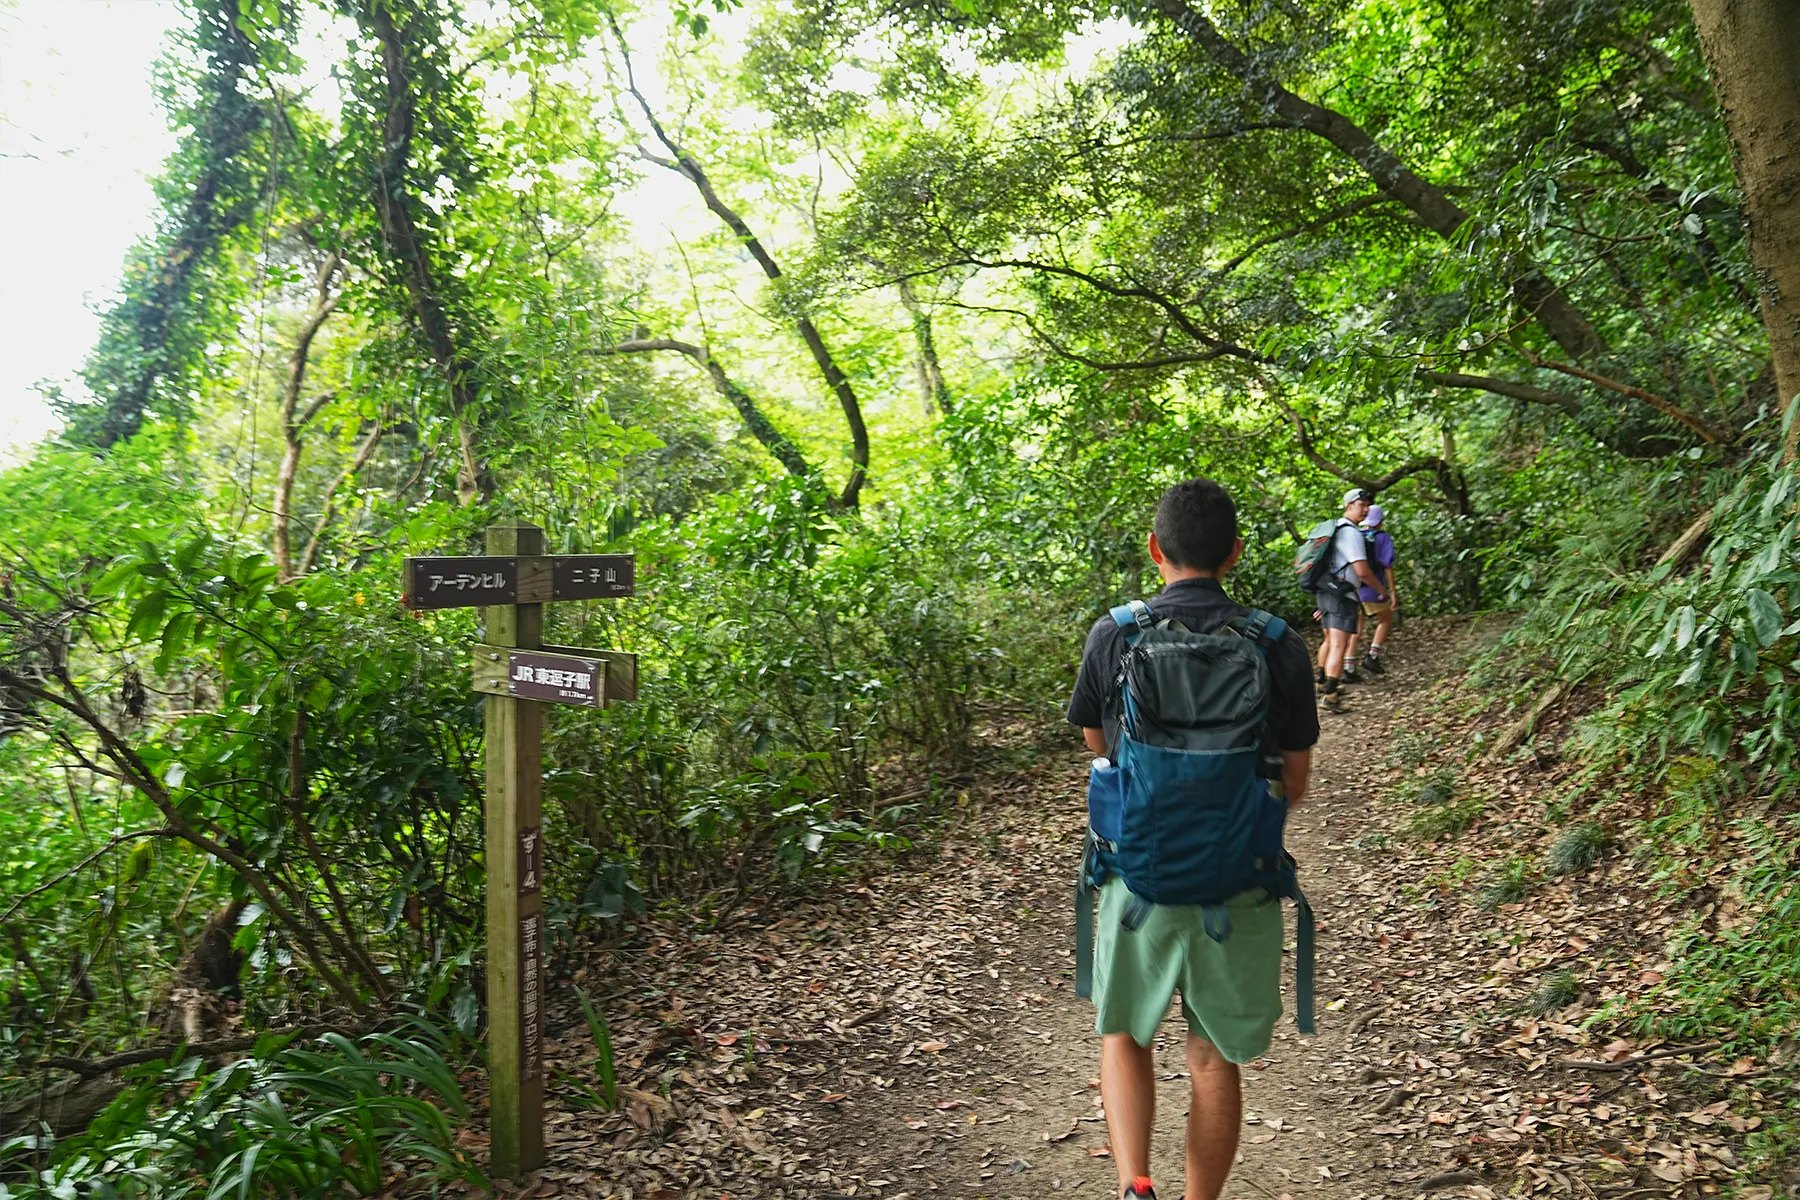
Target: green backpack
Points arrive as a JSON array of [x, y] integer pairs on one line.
[[1312, 562]]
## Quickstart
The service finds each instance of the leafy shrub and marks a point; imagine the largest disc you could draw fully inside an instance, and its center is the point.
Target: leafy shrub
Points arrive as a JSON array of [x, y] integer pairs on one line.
[[1410, 750], [328, 1121], [1444, 820], [1577, 848], [1557, 990], [1439, 787], [1515, 880]]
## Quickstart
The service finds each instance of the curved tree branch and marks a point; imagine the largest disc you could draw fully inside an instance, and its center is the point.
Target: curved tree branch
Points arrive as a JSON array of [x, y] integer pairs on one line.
[[1503, 387], [1707, 431], [1349, 209], [761, 428]]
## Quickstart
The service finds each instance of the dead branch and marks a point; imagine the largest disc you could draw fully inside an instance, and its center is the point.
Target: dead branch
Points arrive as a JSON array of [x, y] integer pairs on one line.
[[1636, 1060], [1521, 729], [87, 1068], [1690, 537]]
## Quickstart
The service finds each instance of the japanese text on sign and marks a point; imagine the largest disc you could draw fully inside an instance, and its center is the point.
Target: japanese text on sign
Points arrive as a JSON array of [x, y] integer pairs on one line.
[[558, 678], [594, 576], [531, 859], [486, 581], [531, 1033], [554, 677], [461, 582]]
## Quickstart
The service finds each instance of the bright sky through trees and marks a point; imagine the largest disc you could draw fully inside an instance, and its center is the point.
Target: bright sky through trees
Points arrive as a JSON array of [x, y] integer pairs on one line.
[[80, 132]]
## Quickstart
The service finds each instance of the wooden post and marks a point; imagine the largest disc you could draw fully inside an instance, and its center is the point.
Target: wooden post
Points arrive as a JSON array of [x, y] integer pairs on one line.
[[515, 901]]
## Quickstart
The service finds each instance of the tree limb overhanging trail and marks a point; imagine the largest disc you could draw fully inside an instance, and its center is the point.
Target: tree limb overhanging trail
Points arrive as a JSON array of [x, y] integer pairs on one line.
[[1544, 300], [1540, 297], [761, 428], [401, 234], [687, 165], [293, 420], [1705, 429], [1502, 387], [1373, 483]]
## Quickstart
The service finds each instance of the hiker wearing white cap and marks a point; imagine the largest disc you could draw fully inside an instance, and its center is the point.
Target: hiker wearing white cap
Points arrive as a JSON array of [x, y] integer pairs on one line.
[[1375, 607], [1339, 607]]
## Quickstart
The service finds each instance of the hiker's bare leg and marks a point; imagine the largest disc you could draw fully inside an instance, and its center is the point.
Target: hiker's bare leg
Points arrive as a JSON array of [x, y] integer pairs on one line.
[[1128, 1089], [1384, 625], [1212, 1126], [1336, 641], [1355, 637]]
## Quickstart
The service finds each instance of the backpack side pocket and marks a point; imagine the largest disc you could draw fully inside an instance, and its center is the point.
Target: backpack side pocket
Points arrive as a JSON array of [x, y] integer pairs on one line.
[[1106, 800]]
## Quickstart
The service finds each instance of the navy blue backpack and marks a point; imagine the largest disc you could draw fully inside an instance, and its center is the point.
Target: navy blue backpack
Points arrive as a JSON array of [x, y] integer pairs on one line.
[[1183, 811]]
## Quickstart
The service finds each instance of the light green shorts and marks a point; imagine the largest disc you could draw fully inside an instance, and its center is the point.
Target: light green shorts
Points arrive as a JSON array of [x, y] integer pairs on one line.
[[1230, 990]]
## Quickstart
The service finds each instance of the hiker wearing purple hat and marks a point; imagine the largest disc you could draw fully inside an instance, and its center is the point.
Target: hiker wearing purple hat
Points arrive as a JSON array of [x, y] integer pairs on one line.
[[1375, 606], [1338, 609]]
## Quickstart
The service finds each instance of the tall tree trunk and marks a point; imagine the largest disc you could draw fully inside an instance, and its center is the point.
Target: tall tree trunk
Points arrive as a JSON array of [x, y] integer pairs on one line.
[[400, 231], [294, 420], [1753, 49], [370, 443], [154, 333], [934, 393]]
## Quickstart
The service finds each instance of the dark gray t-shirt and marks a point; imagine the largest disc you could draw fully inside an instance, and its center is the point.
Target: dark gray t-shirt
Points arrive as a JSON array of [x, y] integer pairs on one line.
[[1203, 606]]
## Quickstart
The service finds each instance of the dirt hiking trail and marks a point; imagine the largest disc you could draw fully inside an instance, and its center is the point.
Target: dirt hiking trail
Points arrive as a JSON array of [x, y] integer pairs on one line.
[[917, 1034]]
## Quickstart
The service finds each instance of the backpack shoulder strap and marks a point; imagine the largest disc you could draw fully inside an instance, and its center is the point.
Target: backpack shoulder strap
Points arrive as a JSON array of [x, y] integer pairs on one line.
[[1133, 616], [1262, 627]]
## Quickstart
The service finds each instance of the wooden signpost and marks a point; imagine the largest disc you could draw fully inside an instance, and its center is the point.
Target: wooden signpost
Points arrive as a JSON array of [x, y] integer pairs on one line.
[[519, 675]]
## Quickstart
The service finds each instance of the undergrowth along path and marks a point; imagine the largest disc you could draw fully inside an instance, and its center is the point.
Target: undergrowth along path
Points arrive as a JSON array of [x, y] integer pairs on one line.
[[917, 1034]]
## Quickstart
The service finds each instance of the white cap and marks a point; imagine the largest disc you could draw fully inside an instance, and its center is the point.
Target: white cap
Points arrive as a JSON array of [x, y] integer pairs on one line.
[[1355, 494]]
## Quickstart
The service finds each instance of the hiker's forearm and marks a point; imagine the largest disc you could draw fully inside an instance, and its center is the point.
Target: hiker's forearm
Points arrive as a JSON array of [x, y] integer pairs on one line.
[[1296, 774], [1367, 575], [1095, 739]]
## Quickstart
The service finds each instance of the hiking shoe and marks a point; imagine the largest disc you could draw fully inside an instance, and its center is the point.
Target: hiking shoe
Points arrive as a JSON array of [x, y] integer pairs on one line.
[[1372, 665], [1333, 702], [1353, 676], [1137, 1189]]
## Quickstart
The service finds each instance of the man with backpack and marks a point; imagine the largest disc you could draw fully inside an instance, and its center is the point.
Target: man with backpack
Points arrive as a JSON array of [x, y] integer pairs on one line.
[[1205, 715], [1331, 563]]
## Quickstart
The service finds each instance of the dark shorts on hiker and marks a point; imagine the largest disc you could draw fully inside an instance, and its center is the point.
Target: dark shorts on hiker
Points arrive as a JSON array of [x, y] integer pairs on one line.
[[1338, 611], [1230, 990]]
